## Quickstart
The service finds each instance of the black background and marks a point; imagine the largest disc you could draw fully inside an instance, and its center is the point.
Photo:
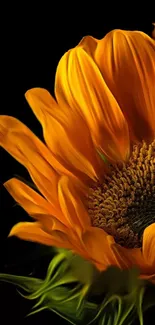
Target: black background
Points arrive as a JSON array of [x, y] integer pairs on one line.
[[32, 43]]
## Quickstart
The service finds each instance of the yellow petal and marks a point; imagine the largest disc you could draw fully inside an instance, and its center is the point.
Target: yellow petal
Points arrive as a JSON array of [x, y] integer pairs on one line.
[[99, 247], [149, 245], [126, 60], [80, 84], [65, 133], [32, 231], [27, 149], [71, 205]]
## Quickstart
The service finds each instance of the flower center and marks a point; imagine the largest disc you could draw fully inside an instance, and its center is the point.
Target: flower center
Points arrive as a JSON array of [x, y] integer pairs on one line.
[[124, 205]]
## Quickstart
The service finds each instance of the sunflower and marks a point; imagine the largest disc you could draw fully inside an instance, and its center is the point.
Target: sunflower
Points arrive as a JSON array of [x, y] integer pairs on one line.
[[95, 174]]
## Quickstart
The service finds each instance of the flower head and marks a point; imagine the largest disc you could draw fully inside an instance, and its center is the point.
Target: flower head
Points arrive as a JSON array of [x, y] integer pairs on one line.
[[102, 209]]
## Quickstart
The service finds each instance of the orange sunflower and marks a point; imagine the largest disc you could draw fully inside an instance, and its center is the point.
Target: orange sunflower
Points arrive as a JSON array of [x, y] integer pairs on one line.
[[96, 172]]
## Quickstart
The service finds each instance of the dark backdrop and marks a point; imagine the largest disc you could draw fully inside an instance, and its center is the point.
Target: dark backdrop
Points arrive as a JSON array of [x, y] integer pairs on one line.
[[31, 46]]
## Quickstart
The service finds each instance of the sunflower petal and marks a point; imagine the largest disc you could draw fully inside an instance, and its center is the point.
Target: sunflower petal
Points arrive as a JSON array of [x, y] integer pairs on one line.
[[149, 245], [71, 205], [65, 133], [89, 44], [80, 84], [35, 205], [27, 149], [32, 231], [49, 223], [30, 200], [150, 278], [99, 247], [129, 258], [126, 60]]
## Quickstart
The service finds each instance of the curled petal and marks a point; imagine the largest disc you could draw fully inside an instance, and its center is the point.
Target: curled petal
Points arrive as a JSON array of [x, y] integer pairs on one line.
[[89, 44], [80, 84], [66, 135]]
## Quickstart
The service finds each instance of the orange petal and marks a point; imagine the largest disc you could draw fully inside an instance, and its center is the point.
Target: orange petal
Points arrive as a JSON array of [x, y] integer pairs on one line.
[[71, 205], [80, 84], [49, 224], [30, 200], [143, 258], [65, 133], [126, 60], [32, 231], [129, 258], [150, 278], [34, 204], [27, 149], [99, 247], [52, 226], [149, 245]]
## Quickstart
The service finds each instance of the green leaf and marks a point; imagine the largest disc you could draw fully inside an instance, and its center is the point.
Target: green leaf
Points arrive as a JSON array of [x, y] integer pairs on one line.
[[83, 270], [72, 284], [27, 283]]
